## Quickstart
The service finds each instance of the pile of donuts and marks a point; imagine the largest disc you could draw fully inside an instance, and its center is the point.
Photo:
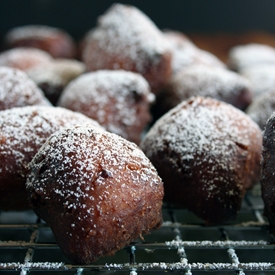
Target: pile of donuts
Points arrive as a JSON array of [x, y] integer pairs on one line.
[[96, 134]]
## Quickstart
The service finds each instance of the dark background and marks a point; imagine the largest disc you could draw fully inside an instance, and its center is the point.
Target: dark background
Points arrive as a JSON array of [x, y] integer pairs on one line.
[[213, 25], [205, 16]]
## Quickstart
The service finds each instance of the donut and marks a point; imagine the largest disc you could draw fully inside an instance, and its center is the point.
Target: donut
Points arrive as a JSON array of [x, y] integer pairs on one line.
[[55, 41], [23, 131], [24, 58], [207, 153], [214, 82], [243, 56], [267, 166], [125, 38], [119, 100], [262, 107], [18, 90], [96, 190], [54, 76], [185, 53], [261, 77]]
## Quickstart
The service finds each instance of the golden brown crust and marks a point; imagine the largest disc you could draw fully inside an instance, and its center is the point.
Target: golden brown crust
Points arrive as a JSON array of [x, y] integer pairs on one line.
[[97, 191]]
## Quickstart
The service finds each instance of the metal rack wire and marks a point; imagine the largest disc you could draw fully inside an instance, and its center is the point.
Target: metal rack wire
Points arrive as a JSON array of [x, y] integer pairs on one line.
[[183, 244]]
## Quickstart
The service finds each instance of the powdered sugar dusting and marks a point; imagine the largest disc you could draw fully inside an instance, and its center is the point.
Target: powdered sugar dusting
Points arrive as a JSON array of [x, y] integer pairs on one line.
[[59, 72], [17, 90], [80, 160], [34, 265], [242, 56], [24, 58], [126, 32], [261, 76], [217, 83], [206, 243], [32, 31], [203, 133], [188, 267], [25, 129], [108, 97], [185, 53]]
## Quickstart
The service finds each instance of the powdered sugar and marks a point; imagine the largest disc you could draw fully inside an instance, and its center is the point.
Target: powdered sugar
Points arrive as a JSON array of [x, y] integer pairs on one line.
[[203, 137], [127, 39], [185, 53], [261, 76], [109, 98], [17, 90], [79, 152], [25, 129], [31, 31], [242, 56], [201, 130], [24, 58], [100, 180], [72, 149], [213, 82], [206, 243], [194, 266], [118, 29]]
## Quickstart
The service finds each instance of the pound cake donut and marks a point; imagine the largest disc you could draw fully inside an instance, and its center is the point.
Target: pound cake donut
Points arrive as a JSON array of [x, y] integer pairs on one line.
[[54, 76], [185, 53], [119, 100], [268, 176], [214, 82], [125, 38], [96, 190], [22, 132], [261, 77], [18, 90], [262, 107], [55, 41], [244, 56], [24, 58], [207, 153]]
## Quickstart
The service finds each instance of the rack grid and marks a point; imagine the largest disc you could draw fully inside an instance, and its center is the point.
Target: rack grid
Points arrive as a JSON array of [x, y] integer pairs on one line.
[[182, 245]]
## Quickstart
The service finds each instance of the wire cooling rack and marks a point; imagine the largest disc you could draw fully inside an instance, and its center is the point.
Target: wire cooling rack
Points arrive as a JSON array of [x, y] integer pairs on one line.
[[182, 245]]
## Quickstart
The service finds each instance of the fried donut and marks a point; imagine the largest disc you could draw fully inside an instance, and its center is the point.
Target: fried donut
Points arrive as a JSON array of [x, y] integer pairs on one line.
[[18, 90], [208, 154], [119, 100], [185, 53], [55, 41], [96, 190], [262, 107], [54, 76], [24, 58], [127, 39], [22, 132], [244, 56], [214, 82], [267, 165]]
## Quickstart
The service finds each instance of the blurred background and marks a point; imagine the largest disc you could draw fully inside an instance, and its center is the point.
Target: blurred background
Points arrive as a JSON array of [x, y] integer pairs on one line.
[[209, 23]]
